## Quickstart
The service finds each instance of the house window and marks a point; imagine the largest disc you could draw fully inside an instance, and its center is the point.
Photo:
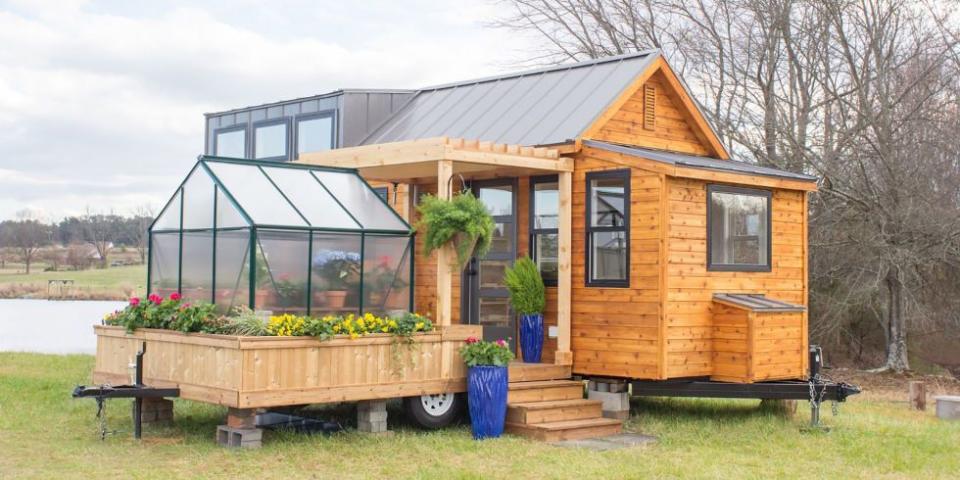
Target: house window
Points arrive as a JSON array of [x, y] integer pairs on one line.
[[315, 133], [230, 142], [544, 219], [608, 228], [738, 229], [383, 192], [270, 140]]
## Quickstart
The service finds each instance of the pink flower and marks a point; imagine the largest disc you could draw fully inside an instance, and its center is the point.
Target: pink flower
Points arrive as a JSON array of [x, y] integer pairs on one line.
[[175, 296], [156, 299], [135, 301], [502, 343], [472, 340]]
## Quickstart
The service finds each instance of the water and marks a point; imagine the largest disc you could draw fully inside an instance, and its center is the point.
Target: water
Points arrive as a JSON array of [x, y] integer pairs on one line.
[[45, 326]]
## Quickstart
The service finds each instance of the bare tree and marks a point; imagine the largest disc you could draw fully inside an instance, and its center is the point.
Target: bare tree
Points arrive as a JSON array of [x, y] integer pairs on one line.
[[142, 218], [26, 236], [99, 230]]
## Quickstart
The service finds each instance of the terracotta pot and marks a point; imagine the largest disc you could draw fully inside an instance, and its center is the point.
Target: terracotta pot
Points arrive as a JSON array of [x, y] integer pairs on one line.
[[263, 298], [336, 298], [319, 299]]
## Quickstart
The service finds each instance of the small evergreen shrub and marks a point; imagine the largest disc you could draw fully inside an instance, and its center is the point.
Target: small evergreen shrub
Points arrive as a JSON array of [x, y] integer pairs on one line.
[[523, 281]]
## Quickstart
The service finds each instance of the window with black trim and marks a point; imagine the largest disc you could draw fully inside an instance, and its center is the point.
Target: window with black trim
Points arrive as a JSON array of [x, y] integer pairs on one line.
[[270, 140], [230, 142], [315, 133], [608, 228], [738, 229], [544, 222]]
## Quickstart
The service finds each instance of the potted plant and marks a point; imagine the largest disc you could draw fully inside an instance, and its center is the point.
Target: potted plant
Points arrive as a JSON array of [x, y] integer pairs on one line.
[[527, 295], [340, 270], [486, 385], [463, 221]]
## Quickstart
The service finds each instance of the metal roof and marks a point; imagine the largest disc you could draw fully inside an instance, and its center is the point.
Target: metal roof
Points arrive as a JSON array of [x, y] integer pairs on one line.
[[757, 302], [706, 163], [537, 107]]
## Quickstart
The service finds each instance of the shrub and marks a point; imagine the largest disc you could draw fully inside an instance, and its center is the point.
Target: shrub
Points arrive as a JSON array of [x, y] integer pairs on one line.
[[463, 219], [478, 352], [244, 322], [166, 313], [523, 281]]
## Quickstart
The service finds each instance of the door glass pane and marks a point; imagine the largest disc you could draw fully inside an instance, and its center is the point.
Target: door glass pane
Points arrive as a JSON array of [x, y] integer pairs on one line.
[[607, 205], [164, 263], [315, 135], [495, 312], [231, 144], [502, 241], [310, 198], [609, 255], [282, 271], [546, 205], [545, 254], [197, 276], [256, 194], [270, 141], [491, 273], [233, 272], [336, 274], [498, 199]]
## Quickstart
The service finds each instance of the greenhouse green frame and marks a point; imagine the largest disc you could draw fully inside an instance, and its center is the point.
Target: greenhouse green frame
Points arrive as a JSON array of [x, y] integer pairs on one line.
[[371, 222]]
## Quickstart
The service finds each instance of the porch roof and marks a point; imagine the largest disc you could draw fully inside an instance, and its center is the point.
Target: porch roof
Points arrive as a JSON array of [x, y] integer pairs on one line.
[[415, 161]]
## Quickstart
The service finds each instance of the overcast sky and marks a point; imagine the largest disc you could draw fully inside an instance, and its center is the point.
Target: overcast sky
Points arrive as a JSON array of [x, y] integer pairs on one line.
[[102, 102]]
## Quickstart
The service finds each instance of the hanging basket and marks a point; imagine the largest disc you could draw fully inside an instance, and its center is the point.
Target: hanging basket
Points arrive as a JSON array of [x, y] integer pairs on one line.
[[462, 242]]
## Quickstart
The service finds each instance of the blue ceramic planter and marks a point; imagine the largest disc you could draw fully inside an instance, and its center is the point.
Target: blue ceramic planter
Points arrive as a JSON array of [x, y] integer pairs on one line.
[[531, 337], [487, 394]]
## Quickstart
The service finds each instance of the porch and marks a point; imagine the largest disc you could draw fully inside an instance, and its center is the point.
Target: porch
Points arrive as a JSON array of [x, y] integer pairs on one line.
[[438, 166]]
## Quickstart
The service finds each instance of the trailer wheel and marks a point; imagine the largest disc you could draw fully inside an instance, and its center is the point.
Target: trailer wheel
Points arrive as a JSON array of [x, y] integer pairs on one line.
[[435, 411]]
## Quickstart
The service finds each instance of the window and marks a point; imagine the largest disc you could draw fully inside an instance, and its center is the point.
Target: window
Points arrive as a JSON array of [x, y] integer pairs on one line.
[[230, 142], [383, 192], [270, 140], [544, 219], [608, 228], [315, 133], [738, 229]]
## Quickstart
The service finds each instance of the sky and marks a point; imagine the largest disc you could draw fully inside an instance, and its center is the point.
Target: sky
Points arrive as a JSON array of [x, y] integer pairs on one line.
[[102, 102]]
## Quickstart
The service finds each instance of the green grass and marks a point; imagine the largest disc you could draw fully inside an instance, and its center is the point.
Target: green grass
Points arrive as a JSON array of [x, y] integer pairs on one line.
[[114, 282], [45, 434]]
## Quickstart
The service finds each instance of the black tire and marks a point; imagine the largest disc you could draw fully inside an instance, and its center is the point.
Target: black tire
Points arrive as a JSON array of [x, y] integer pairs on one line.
[[430, 419]]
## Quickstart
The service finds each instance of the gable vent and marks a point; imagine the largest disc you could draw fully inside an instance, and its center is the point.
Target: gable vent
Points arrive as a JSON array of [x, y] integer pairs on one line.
[[649, 107]]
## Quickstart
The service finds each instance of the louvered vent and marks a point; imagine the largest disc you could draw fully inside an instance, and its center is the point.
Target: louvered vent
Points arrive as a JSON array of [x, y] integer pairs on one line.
[[649, 107]]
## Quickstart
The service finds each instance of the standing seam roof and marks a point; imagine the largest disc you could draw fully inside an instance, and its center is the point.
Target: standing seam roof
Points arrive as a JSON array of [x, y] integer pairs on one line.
[[538, 107]]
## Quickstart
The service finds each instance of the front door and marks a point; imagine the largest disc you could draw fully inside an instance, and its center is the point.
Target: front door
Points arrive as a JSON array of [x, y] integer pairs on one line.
[[485, 299]]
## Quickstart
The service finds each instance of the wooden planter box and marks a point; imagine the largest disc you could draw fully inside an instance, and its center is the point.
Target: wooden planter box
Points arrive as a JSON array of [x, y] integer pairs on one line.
[[255, 372]]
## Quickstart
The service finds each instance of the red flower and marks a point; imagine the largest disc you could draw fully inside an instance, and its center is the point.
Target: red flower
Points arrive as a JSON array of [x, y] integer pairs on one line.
[[175, 296], [472, 340], [385, 261], [135, 301], [156, 299]]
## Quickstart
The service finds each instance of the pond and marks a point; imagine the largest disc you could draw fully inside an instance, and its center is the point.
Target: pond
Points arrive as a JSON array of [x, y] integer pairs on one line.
[[46, 326]]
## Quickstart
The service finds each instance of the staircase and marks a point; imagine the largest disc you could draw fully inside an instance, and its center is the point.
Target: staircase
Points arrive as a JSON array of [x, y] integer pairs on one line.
[[543, 404]]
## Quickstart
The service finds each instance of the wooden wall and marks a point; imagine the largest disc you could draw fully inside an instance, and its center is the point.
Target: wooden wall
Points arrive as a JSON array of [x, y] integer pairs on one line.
[[672, 130]]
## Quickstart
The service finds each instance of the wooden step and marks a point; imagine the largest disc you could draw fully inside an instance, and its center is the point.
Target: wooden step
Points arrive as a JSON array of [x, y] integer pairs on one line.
[[544, 391], [528, 372], [567, 430], [555, 411]]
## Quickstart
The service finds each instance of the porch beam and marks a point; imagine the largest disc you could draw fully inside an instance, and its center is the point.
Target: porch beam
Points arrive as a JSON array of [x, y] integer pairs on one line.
[[444, 255], [564, 356]]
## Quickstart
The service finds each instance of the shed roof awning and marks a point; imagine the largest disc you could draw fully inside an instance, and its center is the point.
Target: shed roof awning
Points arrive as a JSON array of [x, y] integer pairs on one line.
[[235, 193], [756, 302]]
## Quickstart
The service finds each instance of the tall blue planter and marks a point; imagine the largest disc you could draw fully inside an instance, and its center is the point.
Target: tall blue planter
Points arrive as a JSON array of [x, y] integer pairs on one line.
[[531, 337], [487, 395]]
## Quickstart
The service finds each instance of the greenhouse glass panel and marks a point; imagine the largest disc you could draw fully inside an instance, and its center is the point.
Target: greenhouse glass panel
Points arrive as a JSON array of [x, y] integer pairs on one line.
[[282, 264], [196, 276], [227, 214], [360, 200], [386, 275], [169, 218], [256, 195], [198, 200], [336, 274], [310, 198], [164, 262], [233, 272]]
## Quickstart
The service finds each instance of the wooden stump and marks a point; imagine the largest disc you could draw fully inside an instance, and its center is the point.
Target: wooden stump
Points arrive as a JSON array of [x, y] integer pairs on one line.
[[243, 418], [918, 395], [787, 408]]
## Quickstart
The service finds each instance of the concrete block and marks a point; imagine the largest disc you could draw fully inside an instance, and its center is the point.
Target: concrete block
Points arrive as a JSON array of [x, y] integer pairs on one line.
[[239, 437], [367, 416], [372, 427], [372, 416], [611, 401], [156, 410], [948, 407]]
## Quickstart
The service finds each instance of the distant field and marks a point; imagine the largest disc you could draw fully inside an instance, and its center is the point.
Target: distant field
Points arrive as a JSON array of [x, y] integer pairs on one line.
[[114, 283]]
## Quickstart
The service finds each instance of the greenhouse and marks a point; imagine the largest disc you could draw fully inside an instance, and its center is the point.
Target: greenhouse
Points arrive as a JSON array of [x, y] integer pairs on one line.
[[282, 238]]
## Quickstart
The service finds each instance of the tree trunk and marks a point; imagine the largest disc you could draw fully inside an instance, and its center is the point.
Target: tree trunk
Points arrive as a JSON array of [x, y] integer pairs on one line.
[[896, 324]]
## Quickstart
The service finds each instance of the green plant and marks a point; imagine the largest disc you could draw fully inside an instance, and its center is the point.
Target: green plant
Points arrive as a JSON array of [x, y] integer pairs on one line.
[[201, 317], [523, 281], [480, 352], [244, 322], [463, 219], [166, 313]]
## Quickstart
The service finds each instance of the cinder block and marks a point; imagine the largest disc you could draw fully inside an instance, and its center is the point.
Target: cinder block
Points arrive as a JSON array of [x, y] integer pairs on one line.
[[372, 427], [948, 407], [367, 416], [372, 416], [239, 437], [372, 406], [615, 405]]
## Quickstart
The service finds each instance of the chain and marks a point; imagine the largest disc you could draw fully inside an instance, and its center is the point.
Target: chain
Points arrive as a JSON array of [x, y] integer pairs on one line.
[[816, 400], [102, 415]]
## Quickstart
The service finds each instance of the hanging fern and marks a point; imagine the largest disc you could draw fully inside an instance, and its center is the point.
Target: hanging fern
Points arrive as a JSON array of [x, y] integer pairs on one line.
[[463, 219]]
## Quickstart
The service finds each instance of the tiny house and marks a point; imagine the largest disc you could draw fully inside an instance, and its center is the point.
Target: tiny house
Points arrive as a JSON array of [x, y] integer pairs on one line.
[[664, 258]]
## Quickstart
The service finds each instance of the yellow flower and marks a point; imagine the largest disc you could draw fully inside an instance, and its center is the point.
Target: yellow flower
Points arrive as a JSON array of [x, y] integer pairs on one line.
[[419, 326], [384, 329]]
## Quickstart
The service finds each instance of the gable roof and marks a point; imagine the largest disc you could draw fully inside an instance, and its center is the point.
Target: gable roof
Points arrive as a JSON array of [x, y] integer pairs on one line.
[[539, 107]]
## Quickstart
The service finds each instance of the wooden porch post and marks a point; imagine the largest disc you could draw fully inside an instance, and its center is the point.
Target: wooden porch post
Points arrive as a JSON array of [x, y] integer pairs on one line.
[[564, 356], [444, 275]]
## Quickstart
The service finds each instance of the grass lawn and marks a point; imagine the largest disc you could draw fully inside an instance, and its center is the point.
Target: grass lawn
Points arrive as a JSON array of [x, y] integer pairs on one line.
[[109, 283], [45, 434]]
